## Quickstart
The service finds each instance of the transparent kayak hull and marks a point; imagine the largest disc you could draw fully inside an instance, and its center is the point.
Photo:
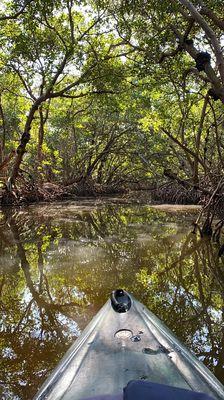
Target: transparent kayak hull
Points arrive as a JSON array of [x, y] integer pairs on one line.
[[118, 347]]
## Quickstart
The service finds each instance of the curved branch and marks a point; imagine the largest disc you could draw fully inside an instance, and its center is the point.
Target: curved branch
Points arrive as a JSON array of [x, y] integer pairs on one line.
[[16, 15], [211, 15], [211, 74], [209, 33], [183, 147]]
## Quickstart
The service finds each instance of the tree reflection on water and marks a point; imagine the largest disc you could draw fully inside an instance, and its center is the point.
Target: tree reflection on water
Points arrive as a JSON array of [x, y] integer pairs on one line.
[[60, 262]]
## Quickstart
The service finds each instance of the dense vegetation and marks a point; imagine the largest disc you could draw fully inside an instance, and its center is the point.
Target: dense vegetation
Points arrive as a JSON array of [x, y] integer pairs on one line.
[[107, 94], [97, 97]]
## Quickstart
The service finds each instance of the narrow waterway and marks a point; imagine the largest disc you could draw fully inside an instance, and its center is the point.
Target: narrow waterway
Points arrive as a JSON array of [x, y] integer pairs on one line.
[[59, 263]]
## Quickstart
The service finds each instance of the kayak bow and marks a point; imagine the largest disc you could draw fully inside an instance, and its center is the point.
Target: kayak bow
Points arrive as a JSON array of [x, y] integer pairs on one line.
[[124, 342]]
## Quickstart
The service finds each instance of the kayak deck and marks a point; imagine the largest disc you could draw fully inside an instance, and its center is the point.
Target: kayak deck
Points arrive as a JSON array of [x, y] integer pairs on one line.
[[116, 348]]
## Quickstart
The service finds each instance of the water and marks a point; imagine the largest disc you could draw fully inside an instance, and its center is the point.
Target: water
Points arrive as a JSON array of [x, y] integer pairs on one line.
[[59, 263]]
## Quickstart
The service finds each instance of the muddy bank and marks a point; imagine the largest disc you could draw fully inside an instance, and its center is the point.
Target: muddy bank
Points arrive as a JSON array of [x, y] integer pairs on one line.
[[180, 208], [50, 192], [174, 193]]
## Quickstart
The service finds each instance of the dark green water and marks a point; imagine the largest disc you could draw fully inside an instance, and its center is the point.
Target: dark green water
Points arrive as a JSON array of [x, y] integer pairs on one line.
[[59, 263]]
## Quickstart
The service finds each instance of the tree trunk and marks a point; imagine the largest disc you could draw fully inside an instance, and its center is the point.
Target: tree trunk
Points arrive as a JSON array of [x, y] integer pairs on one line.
[[2, 142], [210, 35], [43, 116], [21, 149], [216, 83], [40, 138], [102, 155], [198, 142]]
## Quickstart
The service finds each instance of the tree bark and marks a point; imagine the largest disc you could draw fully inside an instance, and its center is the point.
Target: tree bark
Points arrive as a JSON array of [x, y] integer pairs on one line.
[[43, 117], [198, 142], [21, 149], [40, 138], [2, 142], [210, 35], [212, 16], [210, 72]]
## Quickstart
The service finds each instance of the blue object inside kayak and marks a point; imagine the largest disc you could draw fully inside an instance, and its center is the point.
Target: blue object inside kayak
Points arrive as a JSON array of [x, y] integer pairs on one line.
[[146, 390], [107, 397]]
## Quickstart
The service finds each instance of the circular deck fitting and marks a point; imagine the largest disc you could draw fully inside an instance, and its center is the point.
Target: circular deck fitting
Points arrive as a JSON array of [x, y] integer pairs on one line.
[[123, 334]]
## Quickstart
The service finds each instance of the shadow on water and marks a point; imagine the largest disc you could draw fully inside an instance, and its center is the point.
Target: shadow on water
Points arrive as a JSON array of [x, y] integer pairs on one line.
[[59, 263]]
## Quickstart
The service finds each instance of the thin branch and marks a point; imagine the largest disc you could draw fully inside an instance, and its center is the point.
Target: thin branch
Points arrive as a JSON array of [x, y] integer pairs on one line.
[[77, 96], [73, 84], [58, 72], [71, 22], [16, 15], [183, 147], [210, 14], [28, 89], [216, 134], [53, 29], [89, 28]]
